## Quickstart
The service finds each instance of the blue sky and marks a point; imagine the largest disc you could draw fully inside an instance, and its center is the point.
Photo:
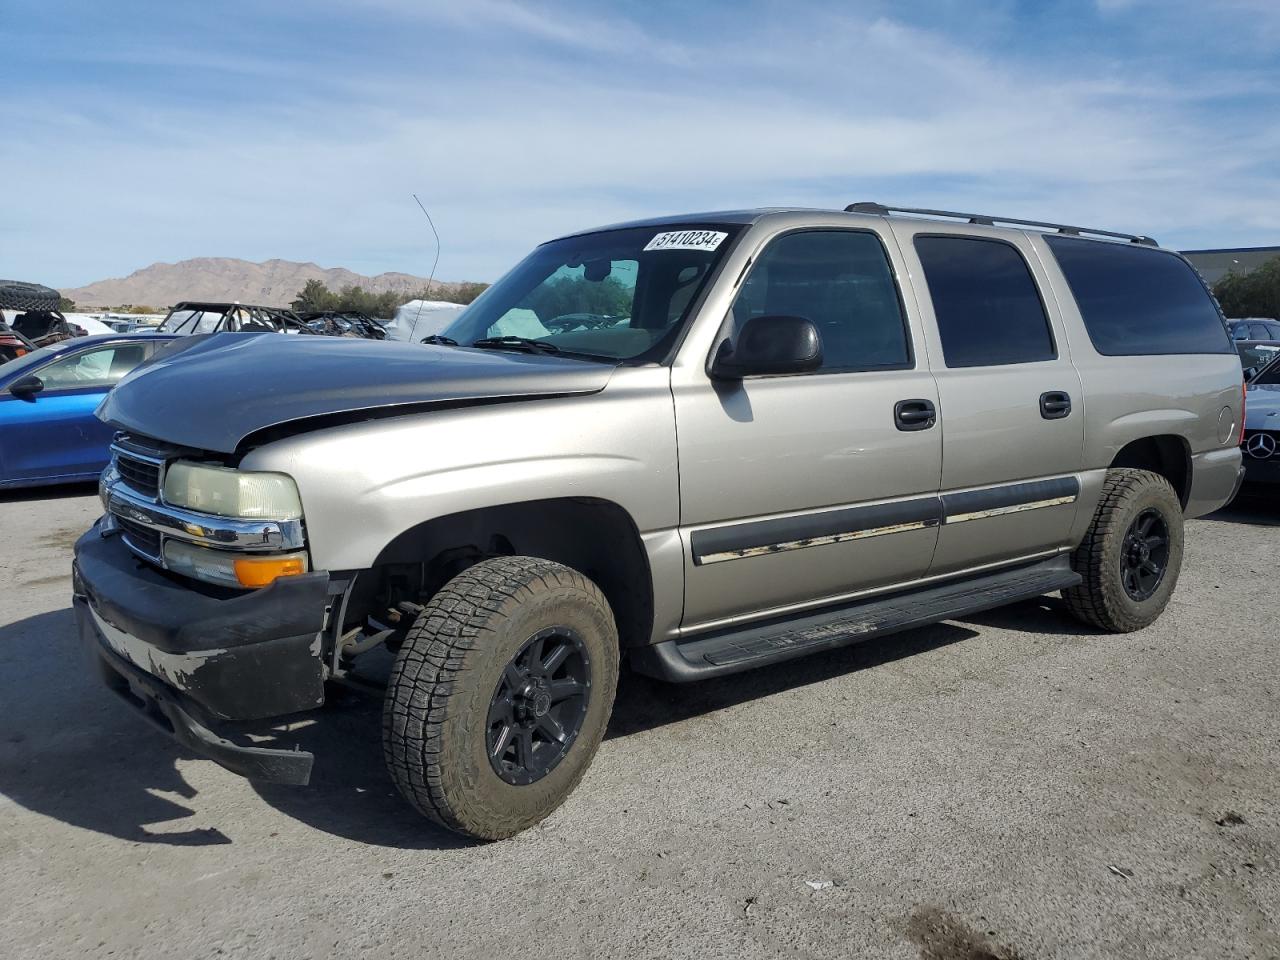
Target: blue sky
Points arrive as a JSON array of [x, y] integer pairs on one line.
[[135, 132]]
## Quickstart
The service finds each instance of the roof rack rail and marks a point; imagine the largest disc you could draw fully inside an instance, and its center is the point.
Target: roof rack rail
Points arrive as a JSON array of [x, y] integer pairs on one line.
[[880, 210]]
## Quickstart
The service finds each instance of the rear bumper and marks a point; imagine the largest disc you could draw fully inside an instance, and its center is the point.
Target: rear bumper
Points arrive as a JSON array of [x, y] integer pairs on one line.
[[1215, 479], [187, 657]]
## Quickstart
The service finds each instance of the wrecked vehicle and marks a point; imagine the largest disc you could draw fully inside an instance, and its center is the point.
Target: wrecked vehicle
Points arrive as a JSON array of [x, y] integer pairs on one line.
[[13, 344], [194, 317], [696, 445], [190, 317], [32, 311], [343, 323]]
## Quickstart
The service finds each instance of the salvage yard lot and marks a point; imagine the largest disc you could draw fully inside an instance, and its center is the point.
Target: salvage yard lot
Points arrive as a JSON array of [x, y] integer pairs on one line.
[[1012, 783]]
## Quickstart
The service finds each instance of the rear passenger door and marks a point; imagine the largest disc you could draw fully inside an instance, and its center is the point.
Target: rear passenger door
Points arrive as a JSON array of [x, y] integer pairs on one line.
[[1010, 402]]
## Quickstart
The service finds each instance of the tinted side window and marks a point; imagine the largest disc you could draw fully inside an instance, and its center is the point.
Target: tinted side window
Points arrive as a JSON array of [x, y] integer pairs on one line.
[[92, 368], [1137, 300], [839, 279], [1239, 331], [988, 307]]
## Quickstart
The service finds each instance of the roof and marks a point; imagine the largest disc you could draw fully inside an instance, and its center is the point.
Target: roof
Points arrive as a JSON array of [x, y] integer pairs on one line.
[[73, 344], [1216, 264], [76, 343], [862, 210]]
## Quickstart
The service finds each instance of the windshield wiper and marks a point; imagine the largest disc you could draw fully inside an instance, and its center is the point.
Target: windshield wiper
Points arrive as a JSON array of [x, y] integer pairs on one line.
[[440, 339], [526, 344]]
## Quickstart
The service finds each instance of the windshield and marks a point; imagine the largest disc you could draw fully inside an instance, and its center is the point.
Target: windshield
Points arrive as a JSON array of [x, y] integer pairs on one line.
[[1257, 355], [617, 295], [1270, 374]]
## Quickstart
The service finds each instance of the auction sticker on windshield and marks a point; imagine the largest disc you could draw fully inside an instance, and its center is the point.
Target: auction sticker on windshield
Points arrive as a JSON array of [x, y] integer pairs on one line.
[[687, 240]]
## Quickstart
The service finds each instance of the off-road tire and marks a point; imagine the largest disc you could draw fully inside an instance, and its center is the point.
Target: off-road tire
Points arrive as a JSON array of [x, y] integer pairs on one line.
[[435, 716], [1101, 599], [17, 295]]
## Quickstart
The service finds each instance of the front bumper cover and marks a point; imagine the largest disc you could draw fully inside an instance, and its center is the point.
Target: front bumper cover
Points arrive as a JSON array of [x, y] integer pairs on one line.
[[1262, 471], [183, 654], [169, 711]]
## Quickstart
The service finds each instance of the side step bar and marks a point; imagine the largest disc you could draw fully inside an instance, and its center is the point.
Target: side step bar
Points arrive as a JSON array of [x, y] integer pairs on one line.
[[724, 652]]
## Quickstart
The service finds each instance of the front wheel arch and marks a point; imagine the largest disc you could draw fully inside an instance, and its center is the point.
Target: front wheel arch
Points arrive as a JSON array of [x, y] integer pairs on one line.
[[596, 537]]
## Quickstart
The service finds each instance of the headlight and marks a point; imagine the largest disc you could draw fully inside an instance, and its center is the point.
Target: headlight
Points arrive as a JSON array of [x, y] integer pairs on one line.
[[232, 493], [231, 569]]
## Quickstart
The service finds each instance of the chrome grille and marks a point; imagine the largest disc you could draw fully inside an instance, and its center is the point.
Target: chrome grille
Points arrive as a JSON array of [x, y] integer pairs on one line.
[[138, 463], [131, 489], [141, 475], [142, 540], [1261, 444]]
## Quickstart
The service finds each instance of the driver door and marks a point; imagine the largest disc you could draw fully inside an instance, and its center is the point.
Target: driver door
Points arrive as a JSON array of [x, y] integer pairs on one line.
[[805, 489]]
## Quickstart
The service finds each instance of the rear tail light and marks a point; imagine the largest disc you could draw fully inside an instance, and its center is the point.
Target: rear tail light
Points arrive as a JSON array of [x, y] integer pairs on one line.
[[1244, 399]]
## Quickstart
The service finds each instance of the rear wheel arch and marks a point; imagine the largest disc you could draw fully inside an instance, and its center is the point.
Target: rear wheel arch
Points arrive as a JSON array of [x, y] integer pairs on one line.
[[1168, 455], [594, 536]]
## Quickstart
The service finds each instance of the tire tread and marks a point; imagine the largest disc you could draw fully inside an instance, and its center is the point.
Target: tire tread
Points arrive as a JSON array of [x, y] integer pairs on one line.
[[1097, 600], [434, 660]]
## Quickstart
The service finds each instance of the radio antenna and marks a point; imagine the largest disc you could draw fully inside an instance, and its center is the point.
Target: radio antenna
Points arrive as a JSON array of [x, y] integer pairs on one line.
[[432, 276]]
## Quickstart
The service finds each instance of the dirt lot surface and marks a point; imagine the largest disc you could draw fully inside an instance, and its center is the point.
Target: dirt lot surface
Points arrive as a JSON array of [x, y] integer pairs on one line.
[[1012, 785]]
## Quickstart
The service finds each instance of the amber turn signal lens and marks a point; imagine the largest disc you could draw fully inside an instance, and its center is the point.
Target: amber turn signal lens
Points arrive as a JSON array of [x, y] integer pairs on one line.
[[264, 571]]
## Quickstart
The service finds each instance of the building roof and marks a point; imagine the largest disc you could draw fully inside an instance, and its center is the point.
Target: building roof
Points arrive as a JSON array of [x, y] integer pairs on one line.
[[1216, 264]]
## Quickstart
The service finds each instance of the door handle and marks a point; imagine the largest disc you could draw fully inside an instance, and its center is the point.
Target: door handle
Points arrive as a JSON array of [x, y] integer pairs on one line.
[[914, 414], [1055, 405]]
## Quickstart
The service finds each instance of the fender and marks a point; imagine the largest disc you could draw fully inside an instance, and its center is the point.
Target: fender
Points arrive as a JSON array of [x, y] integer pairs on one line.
[[363, 484]]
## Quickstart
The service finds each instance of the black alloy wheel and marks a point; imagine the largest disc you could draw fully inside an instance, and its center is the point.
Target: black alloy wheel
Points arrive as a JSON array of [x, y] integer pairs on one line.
[[539, 705], [500, 695], [1131, 555], [1144, 555]]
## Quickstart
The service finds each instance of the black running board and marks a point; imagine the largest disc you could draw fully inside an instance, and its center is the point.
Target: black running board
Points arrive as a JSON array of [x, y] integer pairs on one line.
[[723, 652]]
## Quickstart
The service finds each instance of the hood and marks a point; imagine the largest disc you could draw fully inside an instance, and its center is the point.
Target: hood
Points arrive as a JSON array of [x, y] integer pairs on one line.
[[211, 392], [1262, 406]]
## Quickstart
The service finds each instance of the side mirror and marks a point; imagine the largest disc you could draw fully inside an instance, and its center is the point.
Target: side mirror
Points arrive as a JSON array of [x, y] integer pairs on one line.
[[770, 345], [27, 387]]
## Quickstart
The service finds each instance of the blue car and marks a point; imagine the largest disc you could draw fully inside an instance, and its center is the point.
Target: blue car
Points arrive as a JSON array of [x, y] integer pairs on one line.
[[48, 433]]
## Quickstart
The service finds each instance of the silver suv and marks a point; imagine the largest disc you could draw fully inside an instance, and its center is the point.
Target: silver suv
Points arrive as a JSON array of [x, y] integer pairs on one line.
[[697, 445]]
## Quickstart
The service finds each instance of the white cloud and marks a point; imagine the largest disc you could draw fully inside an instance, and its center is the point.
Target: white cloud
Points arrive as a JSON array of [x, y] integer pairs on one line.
[[816, 109]]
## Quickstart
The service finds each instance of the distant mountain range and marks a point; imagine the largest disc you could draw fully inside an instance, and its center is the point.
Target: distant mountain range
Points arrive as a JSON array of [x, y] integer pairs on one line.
[[274, 283]]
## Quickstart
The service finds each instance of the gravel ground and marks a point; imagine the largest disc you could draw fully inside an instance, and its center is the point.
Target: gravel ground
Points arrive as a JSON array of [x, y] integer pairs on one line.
[[1010, 785]]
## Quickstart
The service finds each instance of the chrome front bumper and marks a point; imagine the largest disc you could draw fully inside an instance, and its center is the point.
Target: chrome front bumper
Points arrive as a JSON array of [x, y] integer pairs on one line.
[[226, 533]]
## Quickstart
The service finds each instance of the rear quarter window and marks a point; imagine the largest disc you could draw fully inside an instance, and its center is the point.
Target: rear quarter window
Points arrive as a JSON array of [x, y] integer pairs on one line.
[[1138, 300]]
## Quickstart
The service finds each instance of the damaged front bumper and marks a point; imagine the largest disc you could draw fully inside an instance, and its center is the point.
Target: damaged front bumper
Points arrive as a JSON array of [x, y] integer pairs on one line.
[[189, 657]]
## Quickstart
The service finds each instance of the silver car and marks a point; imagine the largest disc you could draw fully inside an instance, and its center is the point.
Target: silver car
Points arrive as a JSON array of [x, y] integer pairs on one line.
[[1260, 441], [692, 445]]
